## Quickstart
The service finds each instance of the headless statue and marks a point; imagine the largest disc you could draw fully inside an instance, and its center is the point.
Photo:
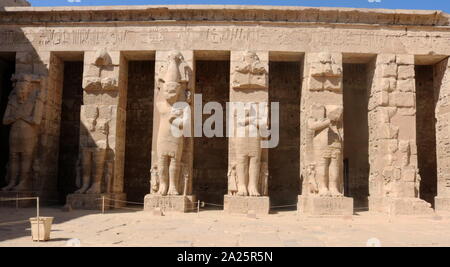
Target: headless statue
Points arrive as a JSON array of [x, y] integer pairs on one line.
[[249, 152], [93, 156], [327, 151]]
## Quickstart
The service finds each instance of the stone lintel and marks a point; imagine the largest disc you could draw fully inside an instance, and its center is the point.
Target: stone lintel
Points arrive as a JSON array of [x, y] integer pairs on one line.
[[400, 206], [95, 202], [228, 13], [242, 205], [316, 205], [170, 203]]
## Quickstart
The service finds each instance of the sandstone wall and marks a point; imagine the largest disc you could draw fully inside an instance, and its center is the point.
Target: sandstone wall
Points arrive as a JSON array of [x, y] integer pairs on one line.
[[396, 41], [284, 160], [211, 154], [356, 131], [72, 99], [5, 3], [426, 132], [139, 129]]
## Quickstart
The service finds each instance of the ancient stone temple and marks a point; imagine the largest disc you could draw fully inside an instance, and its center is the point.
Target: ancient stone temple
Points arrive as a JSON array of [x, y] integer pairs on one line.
[[327, 110]]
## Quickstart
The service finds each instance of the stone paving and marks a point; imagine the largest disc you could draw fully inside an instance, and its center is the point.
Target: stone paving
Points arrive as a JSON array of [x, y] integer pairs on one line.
[[215, 228]]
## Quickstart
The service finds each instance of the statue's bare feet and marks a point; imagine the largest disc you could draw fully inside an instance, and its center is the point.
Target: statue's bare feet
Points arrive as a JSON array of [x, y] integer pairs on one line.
[[23, 186], [95, 189], [323, 192], [163, 190], [335, 193], [82, 190], [253, 191], [173, 191], [242, 191]]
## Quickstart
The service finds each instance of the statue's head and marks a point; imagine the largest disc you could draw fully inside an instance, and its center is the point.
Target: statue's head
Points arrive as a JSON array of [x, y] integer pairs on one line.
[[318, 112], [172, 78], [250, 57], [171, 91], [175, 56], [102, 58], [23, 86], [23, 90], [335, 114]]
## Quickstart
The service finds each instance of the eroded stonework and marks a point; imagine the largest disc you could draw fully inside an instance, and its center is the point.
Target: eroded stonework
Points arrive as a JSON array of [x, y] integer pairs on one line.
[[24, 113], [96, 164], [172, 168], [37, 42], [322, 144], [392, 133], [248, 161]]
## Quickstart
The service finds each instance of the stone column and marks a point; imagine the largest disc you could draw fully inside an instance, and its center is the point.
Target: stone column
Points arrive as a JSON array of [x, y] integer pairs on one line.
[[394, 176], [442, 89], [102, 133], [248, 114], [322, 137], [172, 144]]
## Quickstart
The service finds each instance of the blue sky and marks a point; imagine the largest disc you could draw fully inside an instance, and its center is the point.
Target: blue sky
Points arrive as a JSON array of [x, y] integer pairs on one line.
[[399, 4]]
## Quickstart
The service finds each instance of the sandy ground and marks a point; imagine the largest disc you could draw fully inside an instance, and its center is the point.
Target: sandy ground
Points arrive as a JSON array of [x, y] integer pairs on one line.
[[215, 228]]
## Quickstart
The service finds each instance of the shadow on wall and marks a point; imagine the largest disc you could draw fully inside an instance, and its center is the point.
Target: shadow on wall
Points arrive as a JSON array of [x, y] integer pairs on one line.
[[72, 99], [7, 68], [284, 160], [17, 55], [357, 80], [139, 129]]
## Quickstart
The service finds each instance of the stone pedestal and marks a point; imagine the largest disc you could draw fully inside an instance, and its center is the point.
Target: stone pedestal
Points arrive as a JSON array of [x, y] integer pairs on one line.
[[95, 202], [10, 203], [315, 205], [170, 203], [442, 204], [400, 206], [242, 205]]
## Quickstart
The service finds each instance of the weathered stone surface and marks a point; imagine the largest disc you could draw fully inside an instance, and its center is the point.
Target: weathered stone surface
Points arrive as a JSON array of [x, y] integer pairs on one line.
[[170, 203], [243, 205], [394, 180], [117, 35], [442, 204], [400, 206], [24, 114], [11, 3], [248, 170], [95, 201], [317, 205]]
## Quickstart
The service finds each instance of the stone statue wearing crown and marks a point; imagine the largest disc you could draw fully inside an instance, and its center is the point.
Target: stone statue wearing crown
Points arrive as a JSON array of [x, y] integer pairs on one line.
[[174, 114], [24, 113]]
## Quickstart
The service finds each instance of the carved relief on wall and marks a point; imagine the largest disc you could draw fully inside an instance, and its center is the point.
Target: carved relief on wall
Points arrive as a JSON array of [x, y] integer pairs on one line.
[[248, 169], [171, 174], [100, 74], [392, 111], [324, 174], [325, 73], [24, 113], [250, 73], [322, 129], [96, 163]]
